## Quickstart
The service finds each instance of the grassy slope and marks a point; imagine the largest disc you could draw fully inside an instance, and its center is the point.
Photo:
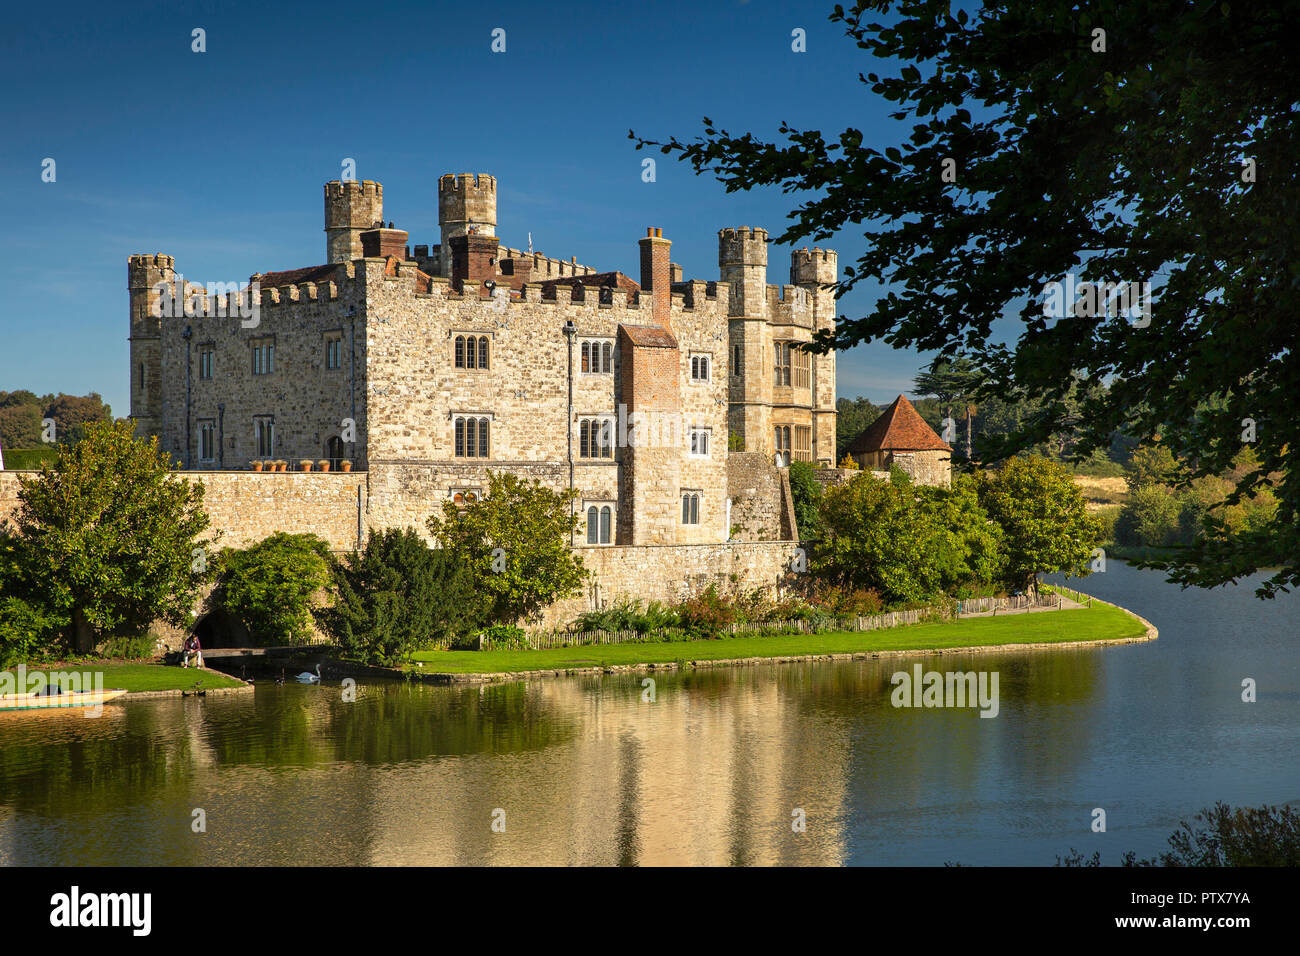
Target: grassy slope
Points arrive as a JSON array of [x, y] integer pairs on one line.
[[137, 677], [1100, 622]]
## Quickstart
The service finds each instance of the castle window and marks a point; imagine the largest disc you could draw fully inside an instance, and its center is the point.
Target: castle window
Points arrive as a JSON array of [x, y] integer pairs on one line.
[[691, 507], [595, 438], [471, 351], [465, 496], [783, 443], [700, 368], [206, 357], [472, 437], [803, 442], [737, 361], [264, 436], [782, 363], [801, 364], [599, 524], [700, 442], [207, 440], [597, 357], [334, 451], [334, 351], [263, 358]]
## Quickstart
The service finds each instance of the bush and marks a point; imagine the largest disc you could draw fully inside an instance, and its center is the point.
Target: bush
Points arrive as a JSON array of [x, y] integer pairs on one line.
[[706, 614], [139, 647], [27, 632], [806, 493], [1151, 518], [400, 595], [506, 637], [269, 587]]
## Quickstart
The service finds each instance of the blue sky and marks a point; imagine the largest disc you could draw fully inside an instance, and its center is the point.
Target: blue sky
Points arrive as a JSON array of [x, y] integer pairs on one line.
[[218, 158]]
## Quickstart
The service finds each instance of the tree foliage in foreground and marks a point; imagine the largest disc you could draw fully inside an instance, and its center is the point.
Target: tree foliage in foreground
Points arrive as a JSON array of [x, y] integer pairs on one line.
[[397, 596], [516, 542], [1166, 150], [110, 535], [270, 586]]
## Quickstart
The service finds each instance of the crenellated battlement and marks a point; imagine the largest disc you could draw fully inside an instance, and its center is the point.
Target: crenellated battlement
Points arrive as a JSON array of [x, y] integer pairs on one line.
[[789, 305], [466, 183], [743, 246], [363, 189], [814, 267]]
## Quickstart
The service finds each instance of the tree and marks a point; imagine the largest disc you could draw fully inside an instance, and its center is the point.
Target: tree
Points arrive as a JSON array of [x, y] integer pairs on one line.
[[72, 413], [112, 534], [517, 543], [397, 596], [908, 543], [953, 382], [270, 587], [1044, 519], [852, 418], [1047, 143], [806, 493]]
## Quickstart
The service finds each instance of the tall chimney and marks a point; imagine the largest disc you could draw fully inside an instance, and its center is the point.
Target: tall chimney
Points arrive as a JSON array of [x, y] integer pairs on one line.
[[655, 275]]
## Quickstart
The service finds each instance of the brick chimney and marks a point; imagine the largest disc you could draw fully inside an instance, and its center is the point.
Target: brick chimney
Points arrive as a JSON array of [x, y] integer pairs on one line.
[[655, 276], [384, 242], [473, 259]]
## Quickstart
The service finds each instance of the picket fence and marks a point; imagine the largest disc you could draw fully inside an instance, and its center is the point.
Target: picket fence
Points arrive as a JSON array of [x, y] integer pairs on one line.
[[542, 640]]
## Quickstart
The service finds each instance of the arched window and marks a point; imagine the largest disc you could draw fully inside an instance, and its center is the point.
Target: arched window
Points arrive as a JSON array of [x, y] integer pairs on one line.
[[584, 435], [607, 355], [593, 525], [460, 351], [334, 452], [483, 352], [460, 438], [483, 438], [691, 508], [471, 358], [606, 439], [606, 513], [586, 356]]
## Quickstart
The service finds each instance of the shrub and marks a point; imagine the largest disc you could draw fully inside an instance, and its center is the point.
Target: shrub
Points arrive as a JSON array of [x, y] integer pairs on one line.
[[706, 614], [1151, 518], [506, 637], [28, 632], [399, 595], [806, 493], [269, 587]]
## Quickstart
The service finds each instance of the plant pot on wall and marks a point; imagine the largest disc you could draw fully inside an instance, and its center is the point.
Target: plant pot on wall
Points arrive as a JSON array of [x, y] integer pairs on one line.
[[345, 465], [323, 465], [305, 464], [258, 465]]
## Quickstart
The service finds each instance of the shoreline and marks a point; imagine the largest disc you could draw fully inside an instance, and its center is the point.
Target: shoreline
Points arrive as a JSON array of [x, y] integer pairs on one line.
[[487, 677]]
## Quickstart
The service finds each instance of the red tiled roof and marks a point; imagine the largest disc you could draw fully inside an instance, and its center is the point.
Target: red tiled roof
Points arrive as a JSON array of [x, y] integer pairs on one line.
[[294, 276], [649, 336], [899, 428], [593, 279]]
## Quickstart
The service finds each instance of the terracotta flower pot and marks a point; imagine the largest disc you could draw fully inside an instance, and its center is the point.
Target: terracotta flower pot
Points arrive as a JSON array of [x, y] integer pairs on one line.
[[305, 464], [258, 465], [281, 466], [345, 465], [323, 465]]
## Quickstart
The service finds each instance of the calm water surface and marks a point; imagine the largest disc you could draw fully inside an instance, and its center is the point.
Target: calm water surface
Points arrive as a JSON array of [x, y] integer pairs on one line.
[[588, 773]]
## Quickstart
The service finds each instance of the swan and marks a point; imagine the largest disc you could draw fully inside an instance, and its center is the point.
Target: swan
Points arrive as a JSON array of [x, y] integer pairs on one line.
[[307, 677]]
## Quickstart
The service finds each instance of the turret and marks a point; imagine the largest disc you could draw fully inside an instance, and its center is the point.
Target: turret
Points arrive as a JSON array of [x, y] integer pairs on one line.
[[145, 278], [351, 208], [817, 271], [742, 259], [467, 206]]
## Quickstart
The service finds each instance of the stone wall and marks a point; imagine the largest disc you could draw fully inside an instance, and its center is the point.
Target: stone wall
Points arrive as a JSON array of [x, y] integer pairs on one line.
[[672, 573]]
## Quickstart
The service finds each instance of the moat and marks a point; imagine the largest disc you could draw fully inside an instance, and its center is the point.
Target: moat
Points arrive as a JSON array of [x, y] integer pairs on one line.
[[588, 772]]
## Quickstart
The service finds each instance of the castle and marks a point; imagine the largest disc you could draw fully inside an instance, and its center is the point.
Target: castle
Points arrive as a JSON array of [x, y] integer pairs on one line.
[[668, 405]]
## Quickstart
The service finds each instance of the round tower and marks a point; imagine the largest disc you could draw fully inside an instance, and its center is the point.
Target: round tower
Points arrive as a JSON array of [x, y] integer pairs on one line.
[[351, 208], [467, 206], [742, 261], [146, 276]]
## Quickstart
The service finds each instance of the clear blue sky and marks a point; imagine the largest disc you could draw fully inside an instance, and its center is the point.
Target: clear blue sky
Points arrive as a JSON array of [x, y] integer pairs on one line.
[[218, 158]]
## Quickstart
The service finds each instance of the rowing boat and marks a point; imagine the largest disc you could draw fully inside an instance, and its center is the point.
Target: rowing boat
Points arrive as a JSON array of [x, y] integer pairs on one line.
[[73, 699]]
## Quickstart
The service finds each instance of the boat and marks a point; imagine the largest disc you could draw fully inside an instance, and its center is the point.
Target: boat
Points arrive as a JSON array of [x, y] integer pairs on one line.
[[59, 701]]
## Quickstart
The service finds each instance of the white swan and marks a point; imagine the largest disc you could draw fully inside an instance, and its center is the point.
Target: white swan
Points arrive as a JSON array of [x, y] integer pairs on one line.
[[307, 677]]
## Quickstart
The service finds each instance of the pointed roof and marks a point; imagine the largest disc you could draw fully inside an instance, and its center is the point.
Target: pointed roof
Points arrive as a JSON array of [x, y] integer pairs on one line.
[[899, 428]]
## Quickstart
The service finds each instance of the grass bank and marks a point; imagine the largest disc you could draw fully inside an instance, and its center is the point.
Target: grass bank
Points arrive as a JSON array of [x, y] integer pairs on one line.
[[1099, 623], [142, 677]]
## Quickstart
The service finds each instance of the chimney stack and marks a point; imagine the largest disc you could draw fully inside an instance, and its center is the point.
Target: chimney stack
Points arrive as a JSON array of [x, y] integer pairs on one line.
[[655, 275]]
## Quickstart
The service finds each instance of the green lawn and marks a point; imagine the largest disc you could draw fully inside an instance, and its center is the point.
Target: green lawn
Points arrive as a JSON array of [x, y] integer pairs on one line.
[[137, 677], [1099, 622]]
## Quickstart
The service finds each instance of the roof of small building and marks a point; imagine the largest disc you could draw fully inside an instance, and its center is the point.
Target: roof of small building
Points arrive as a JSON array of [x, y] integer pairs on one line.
[[899, 428], [615, 279], [649, 336]]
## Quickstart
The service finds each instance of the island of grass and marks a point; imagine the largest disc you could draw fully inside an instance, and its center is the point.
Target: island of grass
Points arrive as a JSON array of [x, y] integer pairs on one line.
[[138, 677], [1100, 622]]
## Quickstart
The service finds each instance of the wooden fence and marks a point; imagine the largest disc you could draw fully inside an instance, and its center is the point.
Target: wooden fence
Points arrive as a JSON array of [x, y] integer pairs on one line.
[[542, 640]]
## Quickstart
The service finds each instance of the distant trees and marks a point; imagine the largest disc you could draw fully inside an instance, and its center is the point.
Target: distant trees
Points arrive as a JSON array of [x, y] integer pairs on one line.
[[22, 411]]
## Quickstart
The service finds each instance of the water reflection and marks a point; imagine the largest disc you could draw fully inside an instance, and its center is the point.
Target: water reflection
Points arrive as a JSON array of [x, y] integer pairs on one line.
[[711, 772]]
